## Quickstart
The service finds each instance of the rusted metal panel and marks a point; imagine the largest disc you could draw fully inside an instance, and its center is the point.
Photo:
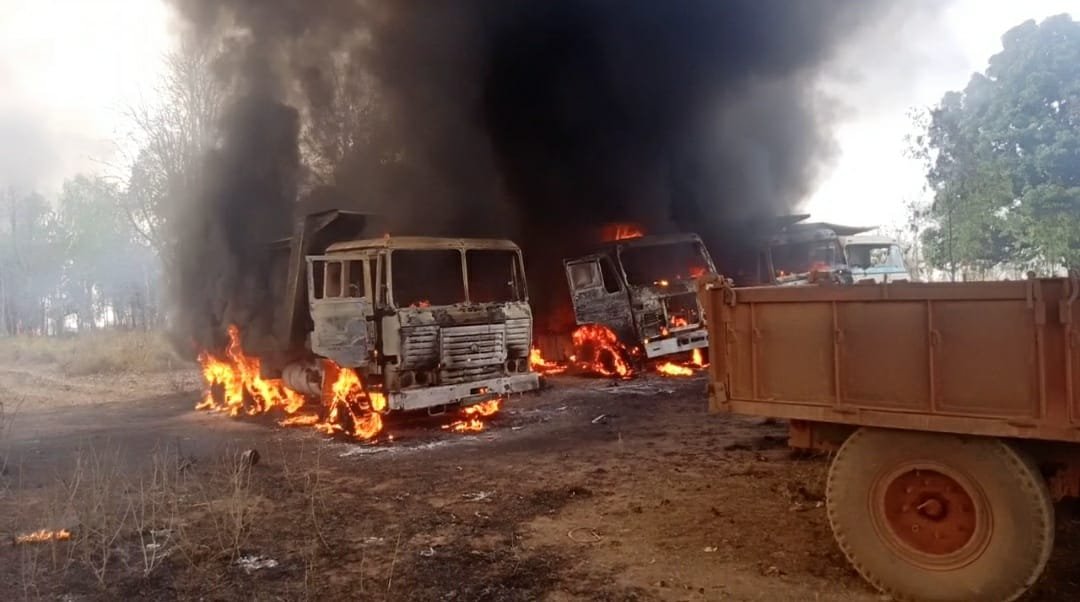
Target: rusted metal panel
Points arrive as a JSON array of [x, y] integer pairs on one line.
[[993, 358], [875, 370], [985, 358], [793, 352]]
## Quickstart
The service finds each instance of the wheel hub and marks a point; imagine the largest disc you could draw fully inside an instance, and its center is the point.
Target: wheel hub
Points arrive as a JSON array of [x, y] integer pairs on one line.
[[932, 515]]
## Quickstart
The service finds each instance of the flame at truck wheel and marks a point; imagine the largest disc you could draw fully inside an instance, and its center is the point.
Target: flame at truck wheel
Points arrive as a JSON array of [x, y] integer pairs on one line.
[[608, 357], [351, 409], [243, 389]]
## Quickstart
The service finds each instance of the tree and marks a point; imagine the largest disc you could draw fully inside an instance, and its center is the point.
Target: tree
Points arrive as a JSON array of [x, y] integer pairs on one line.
[[105, 270], [29, 263], [1003, 156], [173, 138]]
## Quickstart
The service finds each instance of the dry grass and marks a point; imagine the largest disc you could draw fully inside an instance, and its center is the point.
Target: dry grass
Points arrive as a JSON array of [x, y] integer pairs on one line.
[[102, 352], [129, 524]]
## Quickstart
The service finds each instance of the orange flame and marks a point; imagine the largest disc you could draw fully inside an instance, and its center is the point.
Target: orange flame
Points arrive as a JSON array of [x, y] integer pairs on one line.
[[472, 415], [609, 356], [352, 410], [43, 535], [673, 369], [239, 375], [678, 322], [697, 362], [622, 232], [541, 365], [421, 304]]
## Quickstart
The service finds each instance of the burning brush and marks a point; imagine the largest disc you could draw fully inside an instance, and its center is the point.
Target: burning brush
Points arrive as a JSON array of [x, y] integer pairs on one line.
[[43, 535]]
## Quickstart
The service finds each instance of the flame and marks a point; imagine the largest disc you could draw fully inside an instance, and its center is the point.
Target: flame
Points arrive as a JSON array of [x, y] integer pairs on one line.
[[471, 416], [678, 321], [673, 369], [43, 535], [622, 232], [606, 346], [697, 362], [422, 303], [351, 409], [541, 365], [300, 420], [239, 374], [697, 271]]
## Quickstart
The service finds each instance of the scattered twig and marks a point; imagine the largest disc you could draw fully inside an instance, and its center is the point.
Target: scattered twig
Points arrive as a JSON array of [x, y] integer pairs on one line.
[[393, 562]]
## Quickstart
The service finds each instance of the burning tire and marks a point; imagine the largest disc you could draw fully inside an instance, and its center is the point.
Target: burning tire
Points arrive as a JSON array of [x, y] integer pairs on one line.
[[599, 350], [926, 516]]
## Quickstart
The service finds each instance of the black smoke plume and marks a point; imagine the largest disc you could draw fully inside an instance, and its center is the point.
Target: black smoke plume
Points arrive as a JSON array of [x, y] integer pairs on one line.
[[536, 120]]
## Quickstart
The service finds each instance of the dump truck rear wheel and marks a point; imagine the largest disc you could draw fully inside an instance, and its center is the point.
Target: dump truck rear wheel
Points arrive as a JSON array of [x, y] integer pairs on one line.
[[937, 517]]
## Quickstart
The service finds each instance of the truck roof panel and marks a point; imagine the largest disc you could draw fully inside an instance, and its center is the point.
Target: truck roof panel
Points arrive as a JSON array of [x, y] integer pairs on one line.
[[422, 242]]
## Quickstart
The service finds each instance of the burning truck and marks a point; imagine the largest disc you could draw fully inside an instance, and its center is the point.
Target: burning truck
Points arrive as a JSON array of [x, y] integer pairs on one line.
[[642, 289], [370, 326]]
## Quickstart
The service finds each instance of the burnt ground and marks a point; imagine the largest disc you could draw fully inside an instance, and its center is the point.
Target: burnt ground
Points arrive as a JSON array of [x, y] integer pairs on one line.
[[586, 491]]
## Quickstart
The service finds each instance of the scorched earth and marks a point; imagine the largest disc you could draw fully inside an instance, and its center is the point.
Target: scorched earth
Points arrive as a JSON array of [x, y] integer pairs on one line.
[[591, 489]]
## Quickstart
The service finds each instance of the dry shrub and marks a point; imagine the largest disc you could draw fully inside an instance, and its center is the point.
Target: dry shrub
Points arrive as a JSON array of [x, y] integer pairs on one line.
[[100, 352], [34, 350], [117, 351]]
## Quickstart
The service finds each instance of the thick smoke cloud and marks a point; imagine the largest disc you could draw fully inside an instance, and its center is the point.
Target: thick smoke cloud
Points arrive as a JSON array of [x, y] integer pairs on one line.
[[536, 120]]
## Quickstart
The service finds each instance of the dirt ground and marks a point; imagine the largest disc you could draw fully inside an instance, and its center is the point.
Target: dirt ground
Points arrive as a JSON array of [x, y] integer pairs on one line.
[[589, 490]]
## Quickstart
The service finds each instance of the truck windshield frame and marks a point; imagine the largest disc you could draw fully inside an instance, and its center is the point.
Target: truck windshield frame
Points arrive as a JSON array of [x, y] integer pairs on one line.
[[866, 256], [440, 277], [659, 264], [805, 256]]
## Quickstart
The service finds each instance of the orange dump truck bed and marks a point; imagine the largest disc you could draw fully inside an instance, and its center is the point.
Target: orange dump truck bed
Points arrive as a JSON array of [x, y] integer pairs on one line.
[[985, 358], [953, 410]]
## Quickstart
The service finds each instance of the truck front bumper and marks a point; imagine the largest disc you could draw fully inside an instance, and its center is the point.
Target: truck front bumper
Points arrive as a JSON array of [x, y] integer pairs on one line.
[[678, 342], [465, 393]]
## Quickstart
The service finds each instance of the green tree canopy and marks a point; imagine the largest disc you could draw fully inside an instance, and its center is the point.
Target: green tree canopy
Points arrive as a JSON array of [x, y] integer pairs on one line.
[[1004, 155]]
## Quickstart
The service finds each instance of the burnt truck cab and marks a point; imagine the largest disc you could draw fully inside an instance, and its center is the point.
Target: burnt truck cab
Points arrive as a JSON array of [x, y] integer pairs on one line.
[[431, 321], [800, 251], [644, 290]]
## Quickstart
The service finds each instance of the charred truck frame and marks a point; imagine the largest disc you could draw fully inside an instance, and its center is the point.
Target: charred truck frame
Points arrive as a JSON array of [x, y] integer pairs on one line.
[[430, 321], [644, 290]]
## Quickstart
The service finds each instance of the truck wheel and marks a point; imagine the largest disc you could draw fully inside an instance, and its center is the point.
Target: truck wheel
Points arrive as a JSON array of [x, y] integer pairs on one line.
[[937, 517]]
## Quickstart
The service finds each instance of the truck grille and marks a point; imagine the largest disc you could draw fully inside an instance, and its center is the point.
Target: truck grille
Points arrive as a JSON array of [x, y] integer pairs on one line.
[[472, 352], [419, 346], [468, 346], [519, 336]]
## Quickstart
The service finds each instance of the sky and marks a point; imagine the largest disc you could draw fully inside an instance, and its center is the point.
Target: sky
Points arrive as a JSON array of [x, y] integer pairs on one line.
[[871, 178], [70, 68]]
